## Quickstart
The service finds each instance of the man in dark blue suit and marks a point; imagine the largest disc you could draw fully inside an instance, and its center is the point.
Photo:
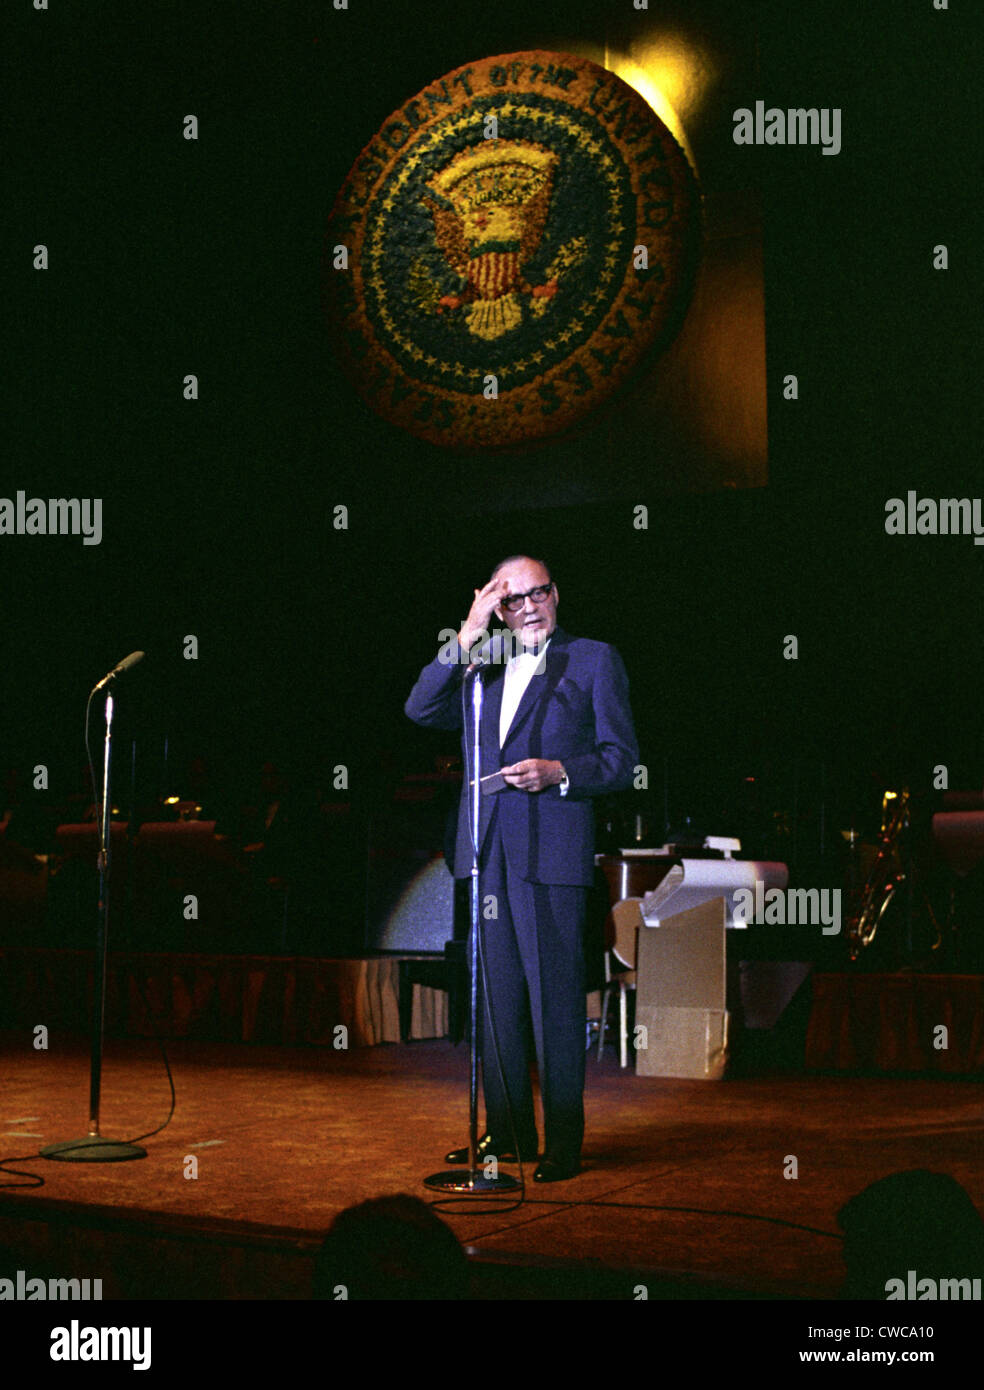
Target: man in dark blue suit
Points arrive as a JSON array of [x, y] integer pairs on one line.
[[558, 725]]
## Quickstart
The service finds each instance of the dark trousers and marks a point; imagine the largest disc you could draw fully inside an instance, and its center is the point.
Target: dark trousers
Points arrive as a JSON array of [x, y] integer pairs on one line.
[[534, 961]]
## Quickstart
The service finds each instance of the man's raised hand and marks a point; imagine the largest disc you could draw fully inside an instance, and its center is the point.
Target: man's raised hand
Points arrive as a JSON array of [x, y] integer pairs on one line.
[[476, 625]]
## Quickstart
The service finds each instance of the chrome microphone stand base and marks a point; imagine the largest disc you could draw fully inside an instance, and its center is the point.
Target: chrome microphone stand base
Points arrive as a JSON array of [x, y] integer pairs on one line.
[[92, 1149], [465, 1180]]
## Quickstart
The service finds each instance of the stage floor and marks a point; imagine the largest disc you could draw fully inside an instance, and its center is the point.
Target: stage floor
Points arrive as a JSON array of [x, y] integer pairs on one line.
[[683, 1181]]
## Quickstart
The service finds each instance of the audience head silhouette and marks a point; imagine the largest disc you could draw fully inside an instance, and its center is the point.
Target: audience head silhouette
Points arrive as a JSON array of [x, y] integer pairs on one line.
[[915, 1220], [391, 1248]]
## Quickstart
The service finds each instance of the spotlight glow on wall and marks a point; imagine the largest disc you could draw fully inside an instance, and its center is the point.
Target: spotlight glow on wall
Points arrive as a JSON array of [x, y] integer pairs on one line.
[[671, 75]]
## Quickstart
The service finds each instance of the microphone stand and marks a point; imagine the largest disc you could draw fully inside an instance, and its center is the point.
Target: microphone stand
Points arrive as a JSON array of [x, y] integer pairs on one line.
[[473, 1179], [93, 1148]]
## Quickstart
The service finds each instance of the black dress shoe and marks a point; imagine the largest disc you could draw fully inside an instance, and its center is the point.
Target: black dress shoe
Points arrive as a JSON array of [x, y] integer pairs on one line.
[[556, 1169], [488, 1147]]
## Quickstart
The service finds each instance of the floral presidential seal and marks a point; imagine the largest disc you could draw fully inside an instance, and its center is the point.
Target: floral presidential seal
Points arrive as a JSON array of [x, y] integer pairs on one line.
[[517, 237]]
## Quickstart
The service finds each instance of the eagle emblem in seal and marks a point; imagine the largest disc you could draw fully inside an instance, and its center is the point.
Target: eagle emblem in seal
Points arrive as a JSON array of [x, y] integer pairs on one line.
[[490, 205]]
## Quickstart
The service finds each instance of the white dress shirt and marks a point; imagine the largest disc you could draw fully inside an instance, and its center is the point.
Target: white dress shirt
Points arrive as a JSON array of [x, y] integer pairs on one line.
[[520, 670]]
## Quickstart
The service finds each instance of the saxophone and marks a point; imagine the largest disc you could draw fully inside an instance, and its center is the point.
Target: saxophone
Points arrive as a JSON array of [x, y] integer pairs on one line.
[[886, 875]]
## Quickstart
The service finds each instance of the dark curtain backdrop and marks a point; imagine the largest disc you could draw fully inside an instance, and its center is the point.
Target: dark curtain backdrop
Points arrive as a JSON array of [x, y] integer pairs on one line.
[[169, 257]]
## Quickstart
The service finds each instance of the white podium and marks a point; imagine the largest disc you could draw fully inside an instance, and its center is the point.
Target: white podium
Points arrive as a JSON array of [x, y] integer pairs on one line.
[[681, 964]]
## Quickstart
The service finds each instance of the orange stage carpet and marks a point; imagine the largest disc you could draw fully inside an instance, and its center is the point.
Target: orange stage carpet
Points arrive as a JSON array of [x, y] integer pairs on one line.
[[683, 1188]]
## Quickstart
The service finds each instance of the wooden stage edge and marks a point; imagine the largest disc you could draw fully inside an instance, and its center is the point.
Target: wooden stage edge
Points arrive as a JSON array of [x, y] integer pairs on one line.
[[243, 1260]]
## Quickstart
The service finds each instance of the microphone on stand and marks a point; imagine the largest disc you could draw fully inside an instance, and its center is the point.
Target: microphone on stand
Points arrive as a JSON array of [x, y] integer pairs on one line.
[[475, 1180], [497, 650], [487, 653], [479, 664], [94, 1147], [119, 669]]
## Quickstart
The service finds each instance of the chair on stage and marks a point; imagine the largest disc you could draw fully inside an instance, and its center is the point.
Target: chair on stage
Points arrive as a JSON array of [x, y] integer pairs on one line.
[[620, 971]]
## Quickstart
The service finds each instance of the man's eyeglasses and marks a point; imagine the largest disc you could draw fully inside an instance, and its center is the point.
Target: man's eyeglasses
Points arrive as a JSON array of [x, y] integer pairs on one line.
[[540, 594]]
